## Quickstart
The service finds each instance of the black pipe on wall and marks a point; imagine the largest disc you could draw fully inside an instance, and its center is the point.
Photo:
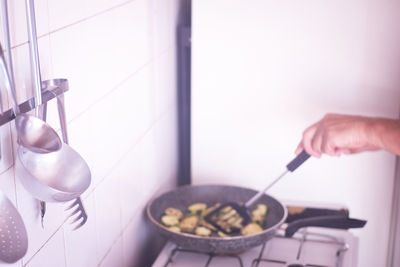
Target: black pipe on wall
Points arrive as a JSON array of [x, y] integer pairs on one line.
[[183, 78]]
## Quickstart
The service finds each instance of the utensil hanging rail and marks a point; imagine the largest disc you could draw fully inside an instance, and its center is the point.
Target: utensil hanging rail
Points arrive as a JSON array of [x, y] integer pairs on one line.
[[50, 90]]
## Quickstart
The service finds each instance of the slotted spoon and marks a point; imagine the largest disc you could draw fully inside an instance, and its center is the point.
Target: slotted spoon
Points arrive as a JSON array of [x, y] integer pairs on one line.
[[13, 237]]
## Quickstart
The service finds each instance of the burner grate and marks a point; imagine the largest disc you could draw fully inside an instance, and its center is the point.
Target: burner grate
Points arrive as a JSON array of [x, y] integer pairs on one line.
[[211, 257], [305, 249], [304, 239]]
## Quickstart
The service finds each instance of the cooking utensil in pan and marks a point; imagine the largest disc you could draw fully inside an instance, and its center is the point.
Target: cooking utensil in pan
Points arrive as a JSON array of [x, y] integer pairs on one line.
[[243, 209], [184, 196], [33, 133], [13, 237]]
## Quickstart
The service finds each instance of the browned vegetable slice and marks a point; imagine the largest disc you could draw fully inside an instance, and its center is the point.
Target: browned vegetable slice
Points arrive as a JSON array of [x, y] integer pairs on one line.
[[174, 212], [169, 220], [202, 231], [259, 214], [210, 209], [175, 229], [188, 224], [251, 229], [208, 225], [197, 208]]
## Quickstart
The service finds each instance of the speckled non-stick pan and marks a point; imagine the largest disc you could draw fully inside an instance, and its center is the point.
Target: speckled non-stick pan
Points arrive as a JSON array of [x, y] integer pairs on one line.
[[182, 197]]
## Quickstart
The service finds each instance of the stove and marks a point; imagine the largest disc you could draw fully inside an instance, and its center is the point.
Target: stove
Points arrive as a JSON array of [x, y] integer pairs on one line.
[[309, 247]]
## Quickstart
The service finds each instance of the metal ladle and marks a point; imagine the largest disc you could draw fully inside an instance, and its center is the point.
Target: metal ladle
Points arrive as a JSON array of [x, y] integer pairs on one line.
[[33, 133]]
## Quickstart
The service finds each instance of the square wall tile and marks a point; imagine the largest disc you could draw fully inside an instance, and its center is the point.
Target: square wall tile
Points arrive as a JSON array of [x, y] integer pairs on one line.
[[6, 150], [131, 175], [108, 130], [100, 53], [114, 257], [80, 244], [51, 254], [29, 208], [108, 214], [98, 6], [7, 185], [64, 13]]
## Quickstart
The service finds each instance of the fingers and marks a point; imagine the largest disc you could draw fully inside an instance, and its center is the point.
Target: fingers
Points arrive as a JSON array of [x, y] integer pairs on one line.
[[299, 148], [308, 137], [316, 143]]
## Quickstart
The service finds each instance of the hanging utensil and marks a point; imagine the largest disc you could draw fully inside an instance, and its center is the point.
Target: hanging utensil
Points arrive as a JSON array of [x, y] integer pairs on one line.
[[33, 133], [77, 206], [226, 211], [59, 176], [13, 237]]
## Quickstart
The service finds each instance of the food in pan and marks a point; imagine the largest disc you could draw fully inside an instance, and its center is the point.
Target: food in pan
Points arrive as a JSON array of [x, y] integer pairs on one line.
[[227, 219]]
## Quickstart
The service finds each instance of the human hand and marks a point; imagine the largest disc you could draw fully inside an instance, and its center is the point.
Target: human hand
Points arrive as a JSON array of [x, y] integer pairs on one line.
[[338, 134]]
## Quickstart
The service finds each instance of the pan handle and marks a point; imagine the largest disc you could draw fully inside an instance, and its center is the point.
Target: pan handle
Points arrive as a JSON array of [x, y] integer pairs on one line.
[[331, 221]]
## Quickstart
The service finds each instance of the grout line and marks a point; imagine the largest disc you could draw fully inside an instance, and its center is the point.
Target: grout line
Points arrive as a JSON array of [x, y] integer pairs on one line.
[[123, 227], [118, 85], [64, 246], [44, 243], [131, 148], [77, 22]]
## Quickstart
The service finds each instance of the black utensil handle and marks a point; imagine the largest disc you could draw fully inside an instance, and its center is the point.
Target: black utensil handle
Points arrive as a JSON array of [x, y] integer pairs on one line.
[[333, 221], [294, 164]]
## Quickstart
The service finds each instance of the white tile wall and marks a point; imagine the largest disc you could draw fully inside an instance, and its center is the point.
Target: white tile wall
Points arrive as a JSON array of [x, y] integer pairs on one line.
[[120, 59]]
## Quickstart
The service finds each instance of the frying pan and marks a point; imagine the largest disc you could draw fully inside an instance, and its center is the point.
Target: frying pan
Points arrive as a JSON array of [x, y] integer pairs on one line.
[[184, 196]]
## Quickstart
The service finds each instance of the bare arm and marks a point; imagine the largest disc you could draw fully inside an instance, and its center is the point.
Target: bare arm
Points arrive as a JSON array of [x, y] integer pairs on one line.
[[345, 134]]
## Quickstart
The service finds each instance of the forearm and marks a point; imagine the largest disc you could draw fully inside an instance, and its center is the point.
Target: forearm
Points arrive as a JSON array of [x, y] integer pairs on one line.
[[385, 134]]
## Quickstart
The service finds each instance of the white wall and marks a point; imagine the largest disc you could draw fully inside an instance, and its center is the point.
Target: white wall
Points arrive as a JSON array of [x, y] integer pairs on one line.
[[119, 57], [265, 70]]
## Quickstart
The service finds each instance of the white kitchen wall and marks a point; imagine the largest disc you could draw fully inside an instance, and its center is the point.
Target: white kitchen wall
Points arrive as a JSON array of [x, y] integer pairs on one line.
[[264, 70], [120, 60]]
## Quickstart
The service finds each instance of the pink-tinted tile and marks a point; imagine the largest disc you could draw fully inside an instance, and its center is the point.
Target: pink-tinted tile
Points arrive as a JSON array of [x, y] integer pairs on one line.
[[64, 13], [110, 128], [80, 244], [51, 254], [112, 46], [108, 214], [114, 256], [6, 160], [29, 209]]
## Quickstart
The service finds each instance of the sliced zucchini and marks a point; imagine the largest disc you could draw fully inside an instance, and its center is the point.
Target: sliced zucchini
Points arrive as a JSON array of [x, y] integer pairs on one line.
[[228, 215], [175, 229], [259, 213], [208, 225], [222, 234], [251, 229], [238, 223], [210, 209], [188, 224], [169, 220], [261, 209], [174, 212], [202, 231], [197, 208]]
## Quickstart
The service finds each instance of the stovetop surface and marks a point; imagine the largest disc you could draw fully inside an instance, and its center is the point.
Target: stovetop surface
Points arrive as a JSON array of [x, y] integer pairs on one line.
[[312, 247]]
